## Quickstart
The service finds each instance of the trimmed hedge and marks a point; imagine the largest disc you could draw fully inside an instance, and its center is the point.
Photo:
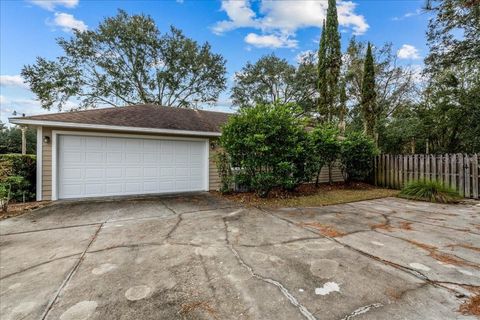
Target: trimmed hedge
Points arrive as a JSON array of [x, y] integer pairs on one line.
[[18, 173]]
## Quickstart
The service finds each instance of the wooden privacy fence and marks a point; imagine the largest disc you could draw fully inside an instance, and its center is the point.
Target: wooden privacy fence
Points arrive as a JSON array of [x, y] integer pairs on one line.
[[459, 171]]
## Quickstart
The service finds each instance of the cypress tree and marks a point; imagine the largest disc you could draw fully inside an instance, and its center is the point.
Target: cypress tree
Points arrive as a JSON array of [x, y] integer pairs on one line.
[[322, 72], [368, 101], [331, 63]]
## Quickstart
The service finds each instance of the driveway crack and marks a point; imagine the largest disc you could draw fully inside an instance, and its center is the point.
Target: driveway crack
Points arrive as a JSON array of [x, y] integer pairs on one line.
[[71, 273], [303, 310], [362, 310]]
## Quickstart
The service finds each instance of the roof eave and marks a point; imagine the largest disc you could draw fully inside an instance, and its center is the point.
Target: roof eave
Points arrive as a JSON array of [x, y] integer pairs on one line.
[[75, 125]]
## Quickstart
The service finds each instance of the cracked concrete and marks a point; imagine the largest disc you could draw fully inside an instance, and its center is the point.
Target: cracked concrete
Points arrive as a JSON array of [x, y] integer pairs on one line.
[[202, 257]]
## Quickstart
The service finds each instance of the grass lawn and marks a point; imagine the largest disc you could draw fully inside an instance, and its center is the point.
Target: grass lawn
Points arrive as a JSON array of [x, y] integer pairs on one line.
[[309, 196]]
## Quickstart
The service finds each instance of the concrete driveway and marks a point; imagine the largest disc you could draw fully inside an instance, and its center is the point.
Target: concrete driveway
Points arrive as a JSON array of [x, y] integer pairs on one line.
[[201, 257]]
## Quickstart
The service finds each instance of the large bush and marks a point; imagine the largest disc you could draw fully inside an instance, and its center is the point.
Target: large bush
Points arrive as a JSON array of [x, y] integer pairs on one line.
[[269, 146], [18, 176], [357, 155]]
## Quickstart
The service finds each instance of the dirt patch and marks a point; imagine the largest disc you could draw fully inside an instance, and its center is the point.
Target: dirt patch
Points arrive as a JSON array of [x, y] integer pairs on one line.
[[188, 308], [308, 195], [441, 256], [16, 209], [384, 226], [471, 306], [324, 229], [405, 225]]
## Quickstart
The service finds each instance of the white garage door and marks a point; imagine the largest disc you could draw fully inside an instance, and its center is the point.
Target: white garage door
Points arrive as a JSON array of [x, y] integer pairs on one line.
[[90, 166]]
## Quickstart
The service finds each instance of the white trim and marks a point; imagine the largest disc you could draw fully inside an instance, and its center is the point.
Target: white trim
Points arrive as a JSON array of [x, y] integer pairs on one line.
[[39, 163], [114, 128], [56, 133], [207, 165], [54, 165]]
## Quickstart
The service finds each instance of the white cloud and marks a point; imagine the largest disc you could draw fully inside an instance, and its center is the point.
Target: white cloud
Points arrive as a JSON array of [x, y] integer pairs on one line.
[[12, 81], [408, 51], [286, 17], [270, 41], [408, 15], [51, 4], [68, 22]]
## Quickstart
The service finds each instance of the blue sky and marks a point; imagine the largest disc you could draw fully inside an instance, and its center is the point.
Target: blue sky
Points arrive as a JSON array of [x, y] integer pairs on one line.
[[240, 30]]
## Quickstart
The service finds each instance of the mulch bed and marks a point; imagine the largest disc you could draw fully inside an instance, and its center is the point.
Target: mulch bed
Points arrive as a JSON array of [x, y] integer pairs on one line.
[[16, 209]]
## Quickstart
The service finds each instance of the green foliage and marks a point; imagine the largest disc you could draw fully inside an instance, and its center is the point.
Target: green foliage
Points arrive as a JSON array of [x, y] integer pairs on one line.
[[429, 190], [18, 175], [357, 154], [272, 79], [269, 146], [368, 102], [326, 147], [330, 61], [11, 140], [126, 60], [224, 171], [453, 34]]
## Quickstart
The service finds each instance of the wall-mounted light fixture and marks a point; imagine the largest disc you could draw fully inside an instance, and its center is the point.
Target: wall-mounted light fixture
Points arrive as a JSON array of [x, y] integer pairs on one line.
[[213, 145], [46, 139]]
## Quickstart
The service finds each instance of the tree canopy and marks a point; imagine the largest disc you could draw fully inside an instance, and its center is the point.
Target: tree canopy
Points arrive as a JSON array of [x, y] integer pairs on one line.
[[126, 60], [272, 79]]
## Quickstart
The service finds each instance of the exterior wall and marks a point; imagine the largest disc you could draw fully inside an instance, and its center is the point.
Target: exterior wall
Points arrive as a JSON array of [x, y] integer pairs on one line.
[[214, 180], [47, 165], [336, 175]]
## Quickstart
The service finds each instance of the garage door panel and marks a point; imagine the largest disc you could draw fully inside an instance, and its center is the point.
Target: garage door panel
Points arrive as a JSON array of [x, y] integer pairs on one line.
[[113, 173], [94, 173], [72, 173], [103, 166], [114, 157]]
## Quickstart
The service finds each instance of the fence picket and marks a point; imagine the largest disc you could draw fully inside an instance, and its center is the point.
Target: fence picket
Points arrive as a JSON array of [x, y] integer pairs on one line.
[[427, 167], [433, 175], [475, 176], [466, 160], [405, 170], [422, 166], [446, 168], [461, 175]]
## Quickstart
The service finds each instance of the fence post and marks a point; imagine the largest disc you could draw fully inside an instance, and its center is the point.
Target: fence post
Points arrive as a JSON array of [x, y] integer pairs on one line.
[[453, 177], [405, 170], [466, 167], [415, 166], [475, 176]]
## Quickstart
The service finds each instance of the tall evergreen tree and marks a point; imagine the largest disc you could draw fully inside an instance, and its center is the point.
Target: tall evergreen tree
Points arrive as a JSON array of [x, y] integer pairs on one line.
[[322, 72], [330, 65], [368, 103]]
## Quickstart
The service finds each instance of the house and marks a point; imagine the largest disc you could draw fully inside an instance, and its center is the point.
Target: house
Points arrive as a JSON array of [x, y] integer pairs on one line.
[[138, 149]]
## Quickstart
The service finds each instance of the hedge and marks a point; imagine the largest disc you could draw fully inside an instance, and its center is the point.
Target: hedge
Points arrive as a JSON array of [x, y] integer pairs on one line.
[[18, 173]]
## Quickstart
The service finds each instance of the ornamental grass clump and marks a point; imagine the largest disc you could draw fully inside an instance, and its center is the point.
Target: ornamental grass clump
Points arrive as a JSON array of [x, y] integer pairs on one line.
[[430, 190]]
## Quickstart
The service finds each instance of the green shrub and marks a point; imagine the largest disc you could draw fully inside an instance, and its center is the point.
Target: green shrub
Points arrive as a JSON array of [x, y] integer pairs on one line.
[[269, 146], [224, 172], [357, 155], [18, 172], [429, 190]]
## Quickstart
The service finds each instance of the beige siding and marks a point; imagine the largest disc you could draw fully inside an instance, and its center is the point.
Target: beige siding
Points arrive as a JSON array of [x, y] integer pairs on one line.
[[214, 179], [336, 174], [47, 165]]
